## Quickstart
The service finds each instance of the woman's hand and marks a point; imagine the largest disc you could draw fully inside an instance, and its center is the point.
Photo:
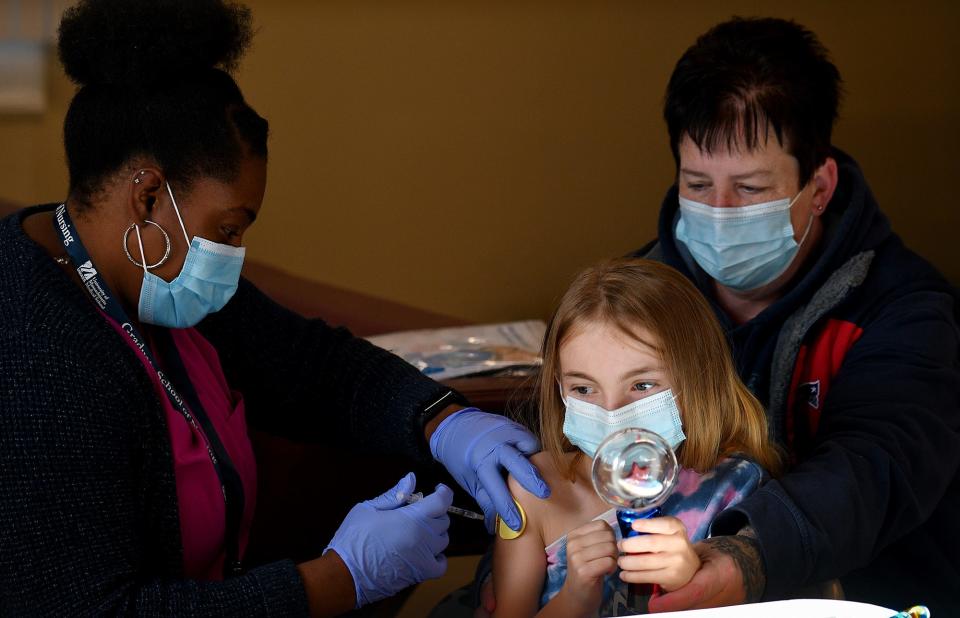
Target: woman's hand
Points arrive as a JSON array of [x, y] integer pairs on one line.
[[476, 447], [388, 545], [662, 555], [731, 573], [591, 555]]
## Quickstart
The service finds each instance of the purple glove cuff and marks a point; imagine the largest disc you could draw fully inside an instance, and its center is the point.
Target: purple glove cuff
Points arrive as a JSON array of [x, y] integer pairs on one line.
[[355, 571], [444, 424]]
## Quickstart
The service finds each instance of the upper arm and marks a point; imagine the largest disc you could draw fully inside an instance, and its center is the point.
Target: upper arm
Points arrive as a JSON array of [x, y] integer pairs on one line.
[[519, 570], [520, 564]]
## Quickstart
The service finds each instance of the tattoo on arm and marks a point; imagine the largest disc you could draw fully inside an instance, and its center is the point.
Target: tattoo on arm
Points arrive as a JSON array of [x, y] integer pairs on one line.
[[744, 549]]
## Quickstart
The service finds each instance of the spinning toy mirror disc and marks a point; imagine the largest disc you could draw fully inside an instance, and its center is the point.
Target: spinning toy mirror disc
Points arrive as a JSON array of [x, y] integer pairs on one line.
[[634, 469]]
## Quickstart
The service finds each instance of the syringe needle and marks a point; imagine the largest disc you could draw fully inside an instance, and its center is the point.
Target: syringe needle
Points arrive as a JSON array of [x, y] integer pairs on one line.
[[453, 510]]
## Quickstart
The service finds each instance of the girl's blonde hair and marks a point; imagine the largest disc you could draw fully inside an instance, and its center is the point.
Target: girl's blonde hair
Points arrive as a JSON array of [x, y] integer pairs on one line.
[[720, 415]]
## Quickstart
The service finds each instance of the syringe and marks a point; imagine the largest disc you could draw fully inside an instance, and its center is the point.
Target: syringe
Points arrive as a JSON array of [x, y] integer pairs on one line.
[[453, 510]]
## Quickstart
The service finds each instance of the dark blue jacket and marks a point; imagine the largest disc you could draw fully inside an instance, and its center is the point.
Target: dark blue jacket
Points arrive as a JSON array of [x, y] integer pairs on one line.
[[88, 506], [859, 370]]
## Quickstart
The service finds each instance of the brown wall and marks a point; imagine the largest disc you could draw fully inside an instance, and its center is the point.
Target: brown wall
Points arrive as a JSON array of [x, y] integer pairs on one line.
[[467, 157]]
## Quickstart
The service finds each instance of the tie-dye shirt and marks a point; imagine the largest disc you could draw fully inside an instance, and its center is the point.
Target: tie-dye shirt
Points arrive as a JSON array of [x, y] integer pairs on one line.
[[696, 501]]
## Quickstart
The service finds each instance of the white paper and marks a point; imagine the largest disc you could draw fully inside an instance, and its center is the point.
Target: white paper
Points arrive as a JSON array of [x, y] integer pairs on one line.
[[445, 353], [795, 608]]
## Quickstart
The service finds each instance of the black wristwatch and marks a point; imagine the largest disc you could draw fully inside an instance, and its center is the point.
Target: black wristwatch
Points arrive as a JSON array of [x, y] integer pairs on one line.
[[438, 405]]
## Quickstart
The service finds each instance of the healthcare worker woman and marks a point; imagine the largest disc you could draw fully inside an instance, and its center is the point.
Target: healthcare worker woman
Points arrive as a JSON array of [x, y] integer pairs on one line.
[[132, 357]]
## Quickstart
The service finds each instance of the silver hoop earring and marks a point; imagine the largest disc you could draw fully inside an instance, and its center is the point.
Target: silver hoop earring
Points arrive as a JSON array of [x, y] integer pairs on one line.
[[166, 239]]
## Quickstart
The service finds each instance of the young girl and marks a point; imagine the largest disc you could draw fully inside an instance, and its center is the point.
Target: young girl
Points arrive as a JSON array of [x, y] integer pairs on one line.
[[633, 343]]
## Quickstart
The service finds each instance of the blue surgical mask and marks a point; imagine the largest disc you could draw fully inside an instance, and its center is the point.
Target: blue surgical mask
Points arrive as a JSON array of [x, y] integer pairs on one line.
[[742, 248], [209, 278], [586, 425]]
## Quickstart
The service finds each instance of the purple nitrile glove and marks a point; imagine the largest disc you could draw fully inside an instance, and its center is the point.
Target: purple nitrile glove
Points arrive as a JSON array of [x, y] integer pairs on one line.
[[388, 545], [475, 446]]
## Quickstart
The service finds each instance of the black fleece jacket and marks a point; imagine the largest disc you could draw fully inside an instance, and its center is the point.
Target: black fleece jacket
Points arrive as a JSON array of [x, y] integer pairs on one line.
[[859, 370], [88, 508]]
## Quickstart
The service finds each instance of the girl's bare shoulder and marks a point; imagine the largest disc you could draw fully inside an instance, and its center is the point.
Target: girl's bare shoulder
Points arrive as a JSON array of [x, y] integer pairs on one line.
[[562, 490]]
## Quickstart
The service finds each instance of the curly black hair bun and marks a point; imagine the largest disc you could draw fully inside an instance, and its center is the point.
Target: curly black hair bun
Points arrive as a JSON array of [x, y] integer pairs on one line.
[[139, 41]]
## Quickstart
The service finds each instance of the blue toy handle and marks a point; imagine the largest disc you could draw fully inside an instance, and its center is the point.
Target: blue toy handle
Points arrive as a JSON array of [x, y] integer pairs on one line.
[[626, 518]]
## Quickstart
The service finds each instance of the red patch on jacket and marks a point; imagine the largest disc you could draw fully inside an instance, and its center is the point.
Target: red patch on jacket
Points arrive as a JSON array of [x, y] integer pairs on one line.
[[817, 363]]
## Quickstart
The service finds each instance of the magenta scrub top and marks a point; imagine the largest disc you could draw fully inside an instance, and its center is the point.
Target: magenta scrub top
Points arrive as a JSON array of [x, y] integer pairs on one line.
[[199, 497]]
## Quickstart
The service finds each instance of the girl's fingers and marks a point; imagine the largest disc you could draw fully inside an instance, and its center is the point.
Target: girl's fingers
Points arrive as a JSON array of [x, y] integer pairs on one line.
[[669, 578], [650, 562], [595, 569], [591, 535], [660, 525], [670, 569], [593, 552], [655, 576], [653, 543]]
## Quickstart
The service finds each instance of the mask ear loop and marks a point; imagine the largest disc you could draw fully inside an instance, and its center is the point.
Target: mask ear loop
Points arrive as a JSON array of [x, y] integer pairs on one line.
[[806, 232], [176, 209], [143, 257]]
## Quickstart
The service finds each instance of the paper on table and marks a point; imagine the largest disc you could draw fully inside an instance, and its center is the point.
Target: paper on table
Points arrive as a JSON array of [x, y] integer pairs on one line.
[[445, 353], [796, 608]]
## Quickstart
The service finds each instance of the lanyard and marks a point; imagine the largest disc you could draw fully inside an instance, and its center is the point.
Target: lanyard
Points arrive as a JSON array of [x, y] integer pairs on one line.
[[231, 485]]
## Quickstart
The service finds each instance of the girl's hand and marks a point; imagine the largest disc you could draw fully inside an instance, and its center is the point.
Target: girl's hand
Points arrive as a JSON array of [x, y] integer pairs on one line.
[[662, 556], [591, 555]]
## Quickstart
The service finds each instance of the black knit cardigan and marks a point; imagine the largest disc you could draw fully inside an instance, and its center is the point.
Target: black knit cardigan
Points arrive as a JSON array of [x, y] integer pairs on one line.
[[88, 509]]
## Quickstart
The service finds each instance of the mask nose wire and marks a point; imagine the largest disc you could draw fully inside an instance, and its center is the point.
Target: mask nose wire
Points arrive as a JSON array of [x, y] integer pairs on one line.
[[176, 209]]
